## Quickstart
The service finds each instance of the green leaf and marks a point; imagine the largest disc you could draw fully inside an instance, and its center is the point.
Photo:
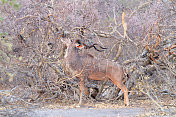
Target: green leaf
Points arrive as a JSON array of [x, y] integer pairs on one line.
[[17, 6], [3, 1], [20, 58], [1, 58], [11, 2], [1, 18], [9, 45], [3, 33]]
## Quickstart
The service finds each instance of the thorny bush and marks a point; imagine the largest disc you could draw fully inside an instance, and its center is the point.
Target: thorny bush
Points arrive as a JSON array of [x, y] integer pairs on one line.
[[140, 34]]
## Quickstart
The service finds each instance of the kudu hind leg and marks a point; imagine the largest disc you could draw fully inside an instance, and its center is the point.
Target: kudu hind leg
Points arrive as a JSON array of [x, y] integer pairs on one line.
[[126, 100], [125, 91]]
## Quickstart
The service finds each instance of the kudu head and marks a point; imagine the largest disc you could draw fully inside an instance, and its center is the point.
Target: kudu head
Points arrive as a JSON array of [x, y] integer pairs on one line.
[[79, 44]]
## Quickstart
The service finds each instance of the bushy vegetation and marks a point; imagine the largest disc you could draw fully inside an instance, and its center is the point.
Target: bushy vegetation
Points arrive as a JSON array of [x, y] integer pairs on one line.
[[140, 34]]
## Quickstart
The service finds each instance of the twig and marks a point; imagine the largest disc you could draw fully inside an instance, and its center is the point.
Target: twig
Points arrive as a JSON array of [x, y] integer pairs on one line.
[[148, 94]]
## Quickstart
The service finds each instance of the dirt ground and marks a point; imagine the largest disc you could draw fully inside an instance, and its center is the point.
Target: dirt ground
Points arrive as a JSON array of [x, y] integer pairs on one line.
[[137, 108], [88, 112]]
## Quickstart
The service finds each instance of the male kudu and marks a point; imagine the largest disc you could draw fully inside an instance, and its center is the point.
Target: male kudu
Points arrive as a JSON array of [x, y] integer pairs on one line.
[[87, 66]]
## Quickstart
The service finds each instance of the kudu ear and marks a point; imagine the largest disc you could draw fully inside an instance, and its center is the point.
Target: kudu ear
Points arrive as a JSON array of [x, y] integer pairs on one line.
[[66, 41]]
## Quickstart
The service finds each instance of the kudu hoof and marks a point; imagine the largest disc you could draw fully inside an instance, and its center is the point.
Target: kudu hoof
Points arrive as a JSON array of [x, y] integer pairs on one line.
[[85, 106], [80, 106], [127, 104]]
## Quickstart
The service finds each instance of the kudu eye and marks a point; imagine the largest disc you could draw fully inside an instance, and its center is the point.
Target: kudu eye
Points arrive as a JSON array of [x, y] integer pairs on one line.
[[79, 46]]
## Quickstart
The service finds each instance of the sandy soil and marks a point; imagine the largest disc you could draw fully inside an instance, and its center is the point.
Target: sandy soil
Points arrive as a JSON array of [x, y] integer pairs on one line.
[[86, 112], [137, 108]]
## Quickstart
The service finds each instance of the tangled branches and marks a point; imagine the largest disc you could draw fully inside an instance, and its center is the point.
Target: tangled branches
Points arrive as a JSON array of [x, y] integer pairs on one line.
[[139, 35]]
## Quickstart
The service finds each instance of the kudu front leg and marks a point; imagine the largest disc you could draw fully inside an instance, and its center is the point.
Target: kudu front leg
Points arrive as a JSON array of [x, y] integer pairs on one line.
[[81, 90]]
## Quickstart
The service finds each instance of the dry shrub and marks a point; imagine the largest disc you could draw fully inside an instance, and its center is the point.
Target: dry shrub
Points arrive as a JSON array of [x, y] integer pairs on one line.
[[31, 50]]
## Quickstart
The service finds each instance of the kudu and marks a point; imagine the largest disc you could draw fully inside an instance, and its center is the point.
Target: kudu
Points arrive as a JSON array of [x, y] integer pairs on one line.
[[87, 66]]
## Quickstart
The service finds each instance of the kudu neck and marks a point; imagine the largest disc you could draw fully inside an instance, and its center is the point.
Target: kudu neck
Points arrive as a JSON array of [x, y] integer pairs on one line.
[[72, 52]]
